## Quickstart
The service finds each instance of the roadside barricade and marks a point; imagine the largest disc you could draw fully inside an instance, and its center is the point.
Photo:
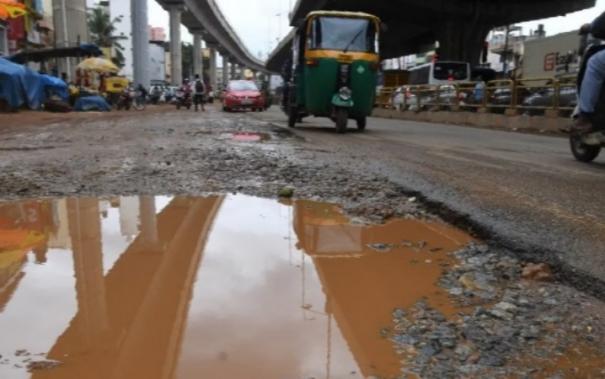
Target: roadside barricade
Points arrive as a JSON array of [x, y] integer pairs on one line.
[[532, 96]]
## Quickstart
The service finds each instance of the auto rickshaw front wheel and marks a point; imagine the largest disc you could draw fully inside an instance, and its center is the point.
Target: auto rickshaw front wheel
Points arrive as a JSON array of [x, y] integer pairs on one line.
[[361, 123], [342, 119], [292, 117]]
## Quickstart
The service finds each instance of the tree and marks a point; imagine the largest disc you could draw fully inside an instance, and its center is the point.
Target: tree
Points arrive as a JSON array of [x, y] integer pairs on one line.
[[187, 56], [102, 32]]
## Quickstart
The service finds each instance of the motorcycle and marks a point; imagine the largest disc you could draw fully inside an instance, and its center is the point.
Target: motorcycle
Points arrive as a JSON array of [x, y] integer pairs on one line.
[[586, 147], [183, 99], [155, 97], [130, 98]]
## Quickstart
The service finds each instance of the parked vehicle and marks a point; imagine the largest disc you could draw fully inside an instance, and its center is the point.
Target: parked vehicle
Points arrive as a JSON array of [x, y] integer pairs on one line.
[[405, 98], [441, 72], [568, 97], [170, 94], [503, 97], [156, 95], [335, 66], [243, 95]]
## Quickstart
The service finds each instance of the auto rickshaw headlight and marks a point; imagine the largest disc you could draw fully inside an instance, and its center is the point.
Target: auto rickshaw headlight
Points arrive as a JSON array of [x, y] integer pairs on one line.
[[345, 93]]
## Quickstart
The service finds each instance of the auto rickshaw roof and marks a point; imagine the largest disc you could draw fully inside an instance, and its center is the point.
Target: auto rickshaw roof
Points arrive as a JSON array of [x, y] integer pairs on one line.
[[343, 14]]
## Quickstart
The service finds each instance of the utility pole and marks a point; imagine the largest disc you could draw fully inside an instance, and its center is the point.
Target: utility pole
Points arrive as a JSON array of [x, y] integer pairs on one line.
[[140, 42], [505, 52]]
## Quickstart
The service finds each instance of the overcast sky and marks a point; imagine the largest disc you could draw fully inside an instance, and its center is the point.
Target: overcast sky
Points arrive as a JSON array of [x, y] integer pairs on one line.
[[259, 26]]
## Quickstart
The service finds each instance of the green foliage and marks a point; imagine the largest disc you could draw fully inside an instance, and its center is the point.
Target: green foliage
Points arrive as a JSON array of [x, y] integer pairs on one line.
[[187, 52], [102, 30]]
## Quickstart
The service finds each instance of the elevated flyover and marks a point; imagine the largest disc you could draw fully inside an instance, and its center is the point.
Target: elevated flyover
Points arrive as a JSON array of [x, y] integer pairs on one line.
[[460, 26], [205, 20]]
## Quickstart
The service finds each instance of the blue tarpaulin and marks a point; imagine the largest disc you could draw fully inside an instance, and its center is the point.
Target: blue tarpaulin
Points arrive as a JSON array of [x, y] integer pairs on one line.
[[92, 103], [20, 86], [54, 86]]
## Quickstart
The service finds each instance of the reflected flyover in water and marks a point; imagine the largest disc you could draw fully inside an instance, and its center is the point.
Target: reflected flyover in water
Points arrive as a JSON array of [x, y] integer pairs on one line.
[[363, 286], [211, 287]]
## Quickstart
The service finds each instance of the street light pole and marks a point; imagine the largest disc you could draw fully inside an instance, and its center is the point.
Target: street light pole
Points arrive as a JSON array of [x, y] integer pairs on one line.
[[505, 54]]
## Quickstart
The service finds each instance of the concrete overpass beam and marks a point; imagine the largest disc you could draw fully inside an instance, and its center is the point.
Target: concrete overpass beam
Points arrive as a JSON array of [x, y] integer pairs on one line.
[[175, 12], [461, 41], [198, 62], [140, 42]]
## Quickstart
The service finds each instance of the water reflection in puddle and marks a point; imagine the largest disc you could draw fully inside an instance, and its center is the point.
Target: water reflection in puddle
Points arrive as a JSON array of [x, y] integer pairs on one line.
[[246, 137], [217, 287]]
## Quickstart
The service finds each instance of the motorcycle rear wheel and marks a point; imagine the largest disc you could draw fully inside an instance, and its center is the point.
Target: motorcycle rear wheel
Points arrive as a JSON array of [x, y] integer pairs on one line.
[[138, 105], [581, 151]]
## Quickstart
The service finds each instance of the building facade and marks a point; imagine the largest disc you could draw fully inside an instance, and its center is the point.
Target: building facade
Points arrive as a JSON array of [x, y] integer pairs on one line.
[[121, 8], [553, 56], [157, 34], [3, 38], [157, 62]]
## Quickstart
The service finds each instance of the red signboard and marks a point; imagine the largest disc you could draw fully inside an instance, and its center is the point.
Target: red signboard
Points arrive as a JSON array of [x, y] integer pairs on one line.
[[550, 62]]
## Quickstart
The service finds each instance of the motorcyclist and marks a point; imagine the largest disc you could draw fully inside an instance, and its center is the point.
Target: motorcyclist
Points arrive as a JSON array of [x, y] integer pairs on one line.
[[594, 78], [185, 88], [199, 93], [142, 91], [156, 94]]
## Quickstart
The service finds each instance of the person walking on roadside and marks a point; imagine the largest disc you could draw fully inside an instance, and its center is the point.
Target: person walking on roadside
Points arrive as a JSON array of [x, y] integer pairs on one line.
[[199, 93]]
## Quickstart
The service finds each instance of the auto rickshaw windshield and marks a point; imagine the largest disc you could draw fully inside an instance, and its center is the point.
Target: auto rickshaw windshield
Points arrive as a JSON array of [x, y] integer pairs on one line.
[[344, 33]]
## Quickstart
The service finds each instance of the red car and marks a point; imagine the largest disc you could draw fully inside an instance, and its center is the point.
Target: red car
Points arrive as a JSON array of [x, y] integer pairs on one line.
[[242, 94]]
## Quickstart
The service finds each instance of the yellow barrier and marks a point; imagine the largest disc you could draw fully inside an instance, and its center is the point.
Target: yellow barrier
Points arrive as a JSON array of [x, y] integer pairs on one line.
[[532, 95]]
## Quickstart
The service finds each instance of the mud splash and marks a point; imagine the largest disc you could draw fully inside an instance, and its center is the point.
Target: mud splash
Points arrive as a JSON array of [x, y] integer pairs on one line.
[[216, 287]]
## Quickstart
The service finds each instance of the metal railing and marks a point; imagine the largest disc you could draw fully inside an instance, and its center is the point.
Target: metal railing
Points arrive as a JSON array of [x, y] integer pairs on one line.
[[533, 96]]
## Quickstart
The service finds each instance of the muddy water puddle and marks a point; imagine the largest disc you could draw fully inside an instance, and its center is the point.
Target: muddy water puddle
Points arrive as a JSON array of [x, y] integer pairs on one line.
[[246, 137], [215, 287]]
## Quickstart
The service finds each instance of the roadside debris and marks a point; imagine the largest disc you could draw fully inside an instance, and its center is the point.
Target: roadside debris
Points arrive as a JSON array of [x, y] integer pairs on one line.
[[506, 327], [540, 272]]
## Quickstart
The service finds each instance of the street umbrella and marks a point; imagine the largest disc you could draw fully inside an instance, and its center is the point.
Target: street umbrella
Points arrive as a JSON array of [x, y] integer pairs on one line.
[[11, 9], [98, 65]]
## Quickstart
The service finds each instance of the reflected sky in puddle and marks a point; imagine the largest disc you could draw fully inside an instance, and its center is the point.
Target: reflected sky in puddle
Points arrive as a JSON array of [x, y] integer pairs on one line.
[[217, 287], [246, 137]]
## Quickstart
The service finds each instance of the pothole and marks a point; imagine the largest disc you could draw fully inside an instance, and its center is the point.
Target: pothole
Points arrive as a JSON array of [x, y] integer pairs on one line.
[[243, 287]]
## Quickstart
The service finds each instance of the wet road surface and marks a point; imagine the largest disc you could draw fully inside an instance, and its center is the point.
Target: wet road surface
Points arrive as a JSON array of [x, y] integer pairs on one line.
[[527, 189], [237, 286], [215, 287]]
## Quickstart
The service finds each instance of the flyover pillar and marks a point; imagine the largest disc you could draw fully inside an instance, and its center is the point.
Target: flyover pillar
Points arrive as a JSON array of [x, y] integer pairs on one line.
[[149, 235], [212, 68], [140, 42], [225, 71], [176, 57], [233, 70], [198, 62]]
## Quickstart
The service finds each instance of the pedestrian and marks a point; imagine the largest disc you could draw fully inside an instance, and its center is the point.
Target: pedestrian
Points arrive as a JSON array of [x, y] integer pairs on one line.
[[479, 90], [199, 92]]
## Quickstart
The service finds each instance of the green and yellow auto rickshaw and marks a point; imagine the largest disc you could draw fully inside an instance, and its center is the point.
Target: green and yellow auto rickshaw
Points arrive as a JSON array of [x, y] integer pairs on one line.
[[334, 68]]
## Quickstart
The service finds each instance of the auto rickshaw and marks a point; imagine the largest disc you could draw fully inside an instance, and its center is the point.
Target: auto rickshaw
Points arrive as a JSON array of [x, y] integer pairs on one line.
[[334, 68]]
